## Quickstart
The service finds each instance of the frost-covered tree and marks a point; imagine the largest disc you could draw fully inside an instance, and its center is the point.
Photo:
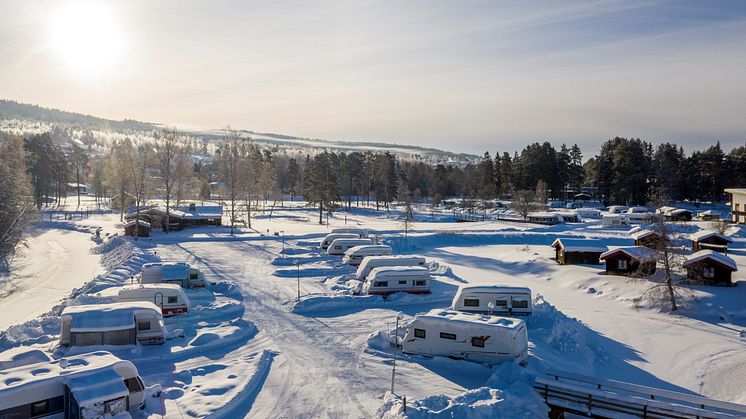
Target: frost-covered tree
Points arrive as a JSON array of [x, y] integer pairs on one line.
[[16, 203]]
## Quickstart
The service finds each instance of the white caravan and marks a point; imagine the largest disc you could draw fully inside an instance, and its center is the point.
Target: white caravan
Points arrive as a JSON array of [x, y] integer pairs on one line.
[[112, 324], [390, 279], [511, 301], [327, 241], [92, 385], [371, 262], [470, 336], [355, 255], [618, 209], [589, 213], [171, 298], [361, 232], [340, 246], [180, 273]]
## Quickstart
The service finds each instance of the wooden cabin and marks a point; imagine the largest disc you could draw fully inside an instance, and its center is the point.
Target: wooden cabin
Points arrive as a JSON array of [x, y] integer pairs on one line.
[[140, 226], [548, 218], [630, 260], [711, 268], [647, 238], [180, 217], [578, 251], [710, 240]]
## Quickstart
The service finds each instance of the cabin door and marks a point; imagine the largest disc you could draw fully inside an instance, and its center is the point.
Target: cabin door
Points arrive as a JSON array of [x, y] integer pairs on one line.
[[158, 299], [72, 410]]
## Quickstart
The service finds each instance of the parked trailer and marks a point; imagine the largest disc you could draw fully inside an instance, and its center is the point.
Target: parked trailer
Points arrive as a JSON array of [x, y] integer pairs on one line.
[[340, 246], [91, 385], [329, 238], [180, 273], [370, 262], [126, 323], [470, 336], [171, 298], [512, 301], [360, 232], [355, 255], [390, 279]]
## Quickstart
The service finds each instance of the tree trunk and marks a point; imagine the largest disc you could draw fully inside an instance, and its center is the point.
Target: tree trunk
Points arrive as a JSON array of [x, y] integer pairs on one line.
[[321, 213]]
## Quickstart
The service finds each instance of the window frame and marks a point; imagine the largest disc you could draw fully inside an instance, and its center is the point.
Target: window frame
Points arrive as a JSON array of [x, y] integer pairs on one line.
[[469, 302], [142, 329], [622, 264], [417, 334], [476, 339], [448, 336]]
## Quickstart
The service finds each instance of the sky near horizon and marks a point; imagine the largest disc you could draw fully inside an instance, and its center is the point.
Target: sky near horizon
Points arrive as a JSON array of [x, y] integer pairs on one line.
[[466, 76]]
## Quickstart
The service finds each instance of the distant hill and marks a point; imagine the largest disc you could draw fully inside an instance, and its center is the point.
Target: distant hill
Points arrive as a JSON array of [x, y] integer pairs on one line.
[[20, 111]]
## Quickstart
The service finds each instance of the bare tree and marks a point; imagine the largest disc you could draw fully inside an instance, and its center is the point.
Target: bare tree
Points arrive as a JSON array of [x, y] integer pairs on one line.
[[117, 175], [16, 199], [524, 203], [407, 219], [231, 158], [138, 165], [720, 225], [171, 162]]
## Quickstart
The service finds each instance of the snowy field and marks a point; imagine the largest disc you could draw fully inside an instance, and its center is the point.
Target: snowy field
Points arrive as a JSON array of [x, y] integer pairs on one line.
[[251, 349]]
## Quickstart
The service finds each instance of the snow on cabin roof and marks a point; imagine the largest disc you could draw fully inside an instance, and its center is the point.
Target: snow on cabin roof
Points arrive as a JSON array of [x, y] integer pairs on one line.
[[639, 253], [678, 211], [201, 212], [104, 317], [141, 222], [92, 388], [713, 256], [580, 245], [704, 234], [453, 316], [710, 212], [642, 233]]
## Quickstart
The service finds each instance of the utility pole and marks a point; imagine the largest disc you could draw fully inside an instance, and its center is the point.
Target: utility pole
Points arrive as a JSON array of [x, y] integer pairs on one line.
[[399, 316]]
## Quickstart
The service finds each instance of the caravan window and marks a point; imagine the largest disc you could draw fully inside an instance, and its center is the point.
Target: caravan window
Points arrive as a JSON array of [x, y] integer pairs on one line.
[[116, 406], [419, 333], [381, 284], [133, 385], [88, 338], [143, 325], [194, 275], [520, 303], [449, 336], [420, 283], [39, 408], [173, 300], [403, 282], [118, 337], [501, 303], [478, 342], [471, 302]]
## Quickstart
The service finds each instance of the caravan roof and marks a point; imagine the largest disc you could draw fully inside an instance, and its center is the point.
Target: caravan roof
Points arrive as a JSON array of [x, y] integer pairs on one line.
[[397, 270], [439, 315], [104, 317], [168, 270], [493, 288], [367, 247]]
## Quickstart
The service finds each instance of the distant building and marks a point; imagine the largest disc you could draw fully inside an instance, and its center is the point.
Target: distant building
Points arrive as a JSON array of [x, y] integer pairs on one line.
[[73, 188], [710, 267], [737, 205], [138, 228], [630, 260], [647, 238], [181, 217], [578, 251]]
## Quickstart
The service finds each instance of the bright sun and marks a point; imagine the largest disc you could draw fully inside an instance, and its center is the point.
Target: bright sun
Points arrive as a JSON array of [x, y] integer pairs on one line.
[[87, 37]]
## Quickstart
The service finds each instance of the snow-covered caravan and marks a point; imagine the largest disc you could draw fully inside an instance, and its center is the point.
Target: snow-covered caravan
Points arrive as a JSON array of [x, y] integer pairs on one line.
[[390, 279], [180, 273], [371, 262], [112, 324], [340, 246], [471, 336], [355, 255], [171, 298], [589, 213], [505, 300], [329, 238], [360, 232], [615, 220], [618, 209], [92, 385]]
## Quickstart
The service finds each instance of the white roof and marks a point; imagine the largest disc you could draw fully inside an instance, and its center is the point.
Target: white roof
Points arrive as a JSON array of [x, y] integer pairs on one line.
[[92, 388], [453, 316], [640, 233], [714, 256], [132, 222], [399, 269], [103, 317], [581, 245], [545, 214], [352, 241], [736, 191], [354, 249], [155, 287], [639, 253], [703, 234], [169, 270], [492, 288], [711, 212]]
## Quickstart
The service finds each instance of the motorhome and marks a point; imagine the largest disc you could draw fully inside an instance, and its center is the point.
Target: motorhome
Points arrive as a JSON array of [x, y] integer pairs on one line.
[[329, 238], [355, 255], [618, 209], [589, 213], [96, 384], [370, 262], [511, 301], [387, 280], [340, 246], [171, 298], [125, 323], [361, 232], [470, 336], [180, 273]]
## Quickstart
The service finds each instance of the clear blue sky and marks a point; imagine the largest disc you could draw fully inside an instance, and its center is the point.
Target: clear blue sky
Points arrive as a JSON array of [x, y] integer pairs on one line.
[[461, 75]]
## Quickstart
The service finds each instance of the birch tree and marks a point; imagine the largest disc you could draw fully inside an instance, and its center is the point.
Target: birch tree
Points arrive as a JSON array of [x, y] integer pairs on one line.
[[171, 160]]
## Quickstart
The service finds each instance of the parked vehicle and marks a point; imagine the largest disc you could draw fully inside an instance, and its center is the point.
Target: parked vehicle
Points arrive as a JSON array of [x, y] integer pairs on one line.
[[126, 323], [340, 246], [329, 238], [470, 336], [387, 280], [171, 298], [618, 209], [505, 300], [180, 273], [574, 205], [80, 386], [361, 232], [355, 255], [370, 262], [589, 213]]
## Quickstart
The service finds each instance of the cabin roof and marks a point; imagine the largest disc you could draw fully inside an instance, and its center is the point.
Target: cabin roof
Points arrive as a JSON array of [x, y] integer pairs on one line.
[[132, 222], [639, 253], [736, 191], [705, 234], [642, 233], [580, 245], [452, 316], [104, 317], [713, 256]]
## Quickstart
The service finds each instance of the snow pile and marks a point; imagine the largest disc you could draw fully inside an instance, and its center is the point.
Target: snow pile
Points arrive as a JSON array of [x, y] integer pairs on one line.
[[507, 393]]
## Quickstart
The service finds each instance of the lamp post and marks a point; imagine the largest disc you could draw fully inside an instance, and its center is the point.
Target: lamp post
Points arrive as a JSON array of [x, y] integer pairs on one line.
[[399, 316], [296, 262]]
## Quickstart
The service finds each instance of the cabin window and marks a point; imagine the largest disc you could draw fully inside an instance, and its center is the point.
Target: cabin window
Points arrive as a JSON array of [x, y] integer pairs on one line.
[[501, 303], [622, 264], [39, 408], [471, 302], [381, 284], [420, 333], [449, 336], [133, 385], [404, 282], [520, 303], [420, 283], [143, 325], [478, 342], [708, 272], [173, 300]]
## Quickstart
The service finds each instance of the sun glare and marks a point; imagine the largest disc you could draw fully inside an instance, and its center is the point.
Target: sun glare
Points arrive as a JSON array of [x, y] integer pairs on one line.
[[87, 37]]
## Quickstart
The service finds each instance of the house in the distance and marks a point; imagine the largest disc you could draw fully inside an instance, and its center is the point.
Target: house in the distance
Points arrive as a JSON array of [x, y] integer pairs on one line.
[[630, 260], [181, 217], [737, 205], [578, 251], [140, 228], [710, 240], [646, 237], [710, 267]]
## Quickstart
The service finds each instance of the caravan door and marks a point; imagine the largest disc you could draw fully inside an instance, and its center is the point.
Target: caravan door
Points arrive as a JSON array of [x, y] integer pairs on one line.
[[158, 299]]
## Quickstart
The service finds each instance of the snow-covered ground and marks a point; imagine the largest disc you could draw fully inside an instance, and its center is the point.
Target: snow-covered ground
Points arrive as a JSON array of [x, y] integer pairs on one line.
[[252, 350]]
